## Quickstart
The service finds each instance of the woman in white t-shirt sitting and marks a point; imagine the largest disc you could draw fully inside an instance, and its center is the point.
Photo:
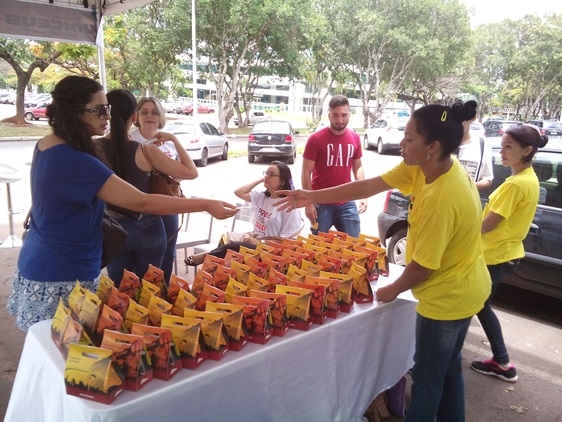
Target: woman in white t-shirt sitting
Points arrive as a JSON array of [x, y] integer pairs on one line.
[[268, 222]]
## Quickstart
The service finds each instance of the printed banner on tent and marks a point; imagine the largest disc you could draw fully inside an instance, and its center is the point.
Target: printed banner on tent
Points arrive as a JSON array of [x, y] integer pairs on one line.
[[47, 22]]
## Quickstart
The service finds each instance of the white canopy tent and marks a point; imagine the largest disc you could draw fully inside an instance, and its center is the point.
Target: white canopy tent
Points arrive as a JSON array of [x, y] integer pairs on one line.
[[74, 21]]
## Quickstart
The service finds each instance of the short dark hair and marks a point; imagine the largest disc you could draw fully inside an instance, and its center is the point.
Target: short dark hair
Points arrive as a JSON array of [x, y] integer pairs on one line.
[[527, 135], [444, 124], [337, 101], [70, 96]]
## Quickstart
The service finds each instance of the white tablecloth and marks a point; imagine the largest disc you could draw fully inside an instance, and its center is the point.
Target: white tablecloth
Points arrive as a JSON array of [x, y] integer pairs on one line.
[[329, 373]]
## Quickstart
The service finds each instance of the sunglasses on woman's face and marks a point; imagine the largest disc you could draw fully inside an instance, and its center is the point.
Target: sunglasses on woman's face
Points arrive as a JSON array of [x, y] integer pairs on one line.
[[101, 111], [270, 174]]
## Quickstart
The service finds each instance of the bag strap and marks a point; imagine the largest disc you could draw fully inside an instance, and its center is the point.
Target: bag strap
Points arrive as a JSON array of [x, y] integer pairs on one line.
[[152, 169], [27, 220]]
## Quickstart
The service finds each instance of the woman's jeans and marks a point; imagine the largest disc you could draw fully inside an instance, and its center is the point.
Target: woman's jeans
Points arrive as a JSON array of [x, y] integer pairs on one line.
[[344, 217], [488, 318], [171, 223], [438, 385], [145, 245]]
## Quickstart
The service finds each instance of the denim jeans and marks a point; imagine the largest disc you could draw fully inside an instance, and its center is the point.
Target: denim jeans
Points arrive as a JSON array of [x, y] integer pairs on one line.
[[488, 318], [344, 217], [145, 245], [171, 224], [438, 385]]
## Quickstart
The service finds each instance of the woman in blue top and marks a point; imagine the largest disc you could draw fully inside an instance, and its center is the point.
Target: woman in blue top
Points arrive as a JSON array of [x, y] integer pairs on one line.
[[69, 188]]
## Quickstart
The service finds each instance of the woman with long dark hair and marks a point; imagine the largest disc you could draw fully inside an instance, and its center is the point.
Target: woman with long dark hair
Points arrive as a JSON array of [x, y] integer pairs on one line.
[[445, 267], [69, 188], [148, 240]]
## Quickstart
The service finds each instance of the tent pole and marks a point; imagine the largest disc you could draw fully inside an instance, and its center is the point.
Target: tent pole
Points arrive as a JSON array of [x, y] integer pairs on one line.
[[194, 56], [101, 54]]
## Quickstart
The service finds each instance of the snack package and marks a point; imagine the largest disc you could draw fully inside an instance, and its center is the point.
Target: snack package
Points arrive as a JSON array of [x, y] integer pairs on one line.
[[184, 300], [130, 285], [256, 267], [104, 288], [345, 291], [108, 320], [382, 262], [298, 306], [234, 288], [263, 247], [201, 278], [346, 259], [148, 289], [373, 240], [156, 308], [278, 248], [309, 254], [89, 312], [318, 251], [90, 374], [257, 283], [233, 256], [329, 246], [329, 264], [346, 244], [210, 263], [188, 337], [58, 325], [294, 274], [234, 323], [74, 333], [311, 268], [279, 319], [154, 275], [248, 252], [370, 263], [130, 358], [221, 276], [294, 257], [135, 313], [75, 299], [291, 243], [317, 300], [276, 262], [275, 278], [362, 291], [256, 315], [242, 272], [209, 294], [214, 332], [118, 301], [161, 349], [176, 284], [337, 235], [331, 304]]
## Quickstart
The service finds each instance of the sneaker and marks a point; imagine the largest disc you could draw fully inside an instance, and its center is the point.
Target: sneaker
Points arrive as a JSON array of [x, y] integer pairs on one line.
[[491, 367]]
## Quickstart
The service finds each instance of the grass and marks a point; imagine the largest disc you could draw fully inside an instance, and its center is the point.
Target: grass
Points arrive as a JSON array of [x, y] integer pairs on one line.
[[9, 130]]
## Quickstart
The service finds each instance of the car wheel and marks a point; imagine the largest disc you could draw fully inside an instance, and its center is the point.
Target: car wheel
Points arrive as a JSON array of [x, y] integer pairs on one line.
[[224, 155], [397, 248], [366, 144], [211, 111], [28, 116], [251, 158], [291, 158], [380, 147], [204, 158]]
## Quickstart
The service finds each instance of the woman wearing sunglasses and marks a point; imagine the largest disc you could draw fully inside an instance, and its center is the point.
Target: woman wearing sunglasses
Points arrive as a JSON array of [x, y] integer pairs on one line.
[[69, 188], [148, 235], [268, 222]]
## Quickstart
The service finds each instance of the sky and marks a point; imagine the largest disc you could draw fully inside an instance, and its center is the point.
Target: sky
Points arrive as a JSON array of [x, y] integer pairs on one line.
[[488, 11]]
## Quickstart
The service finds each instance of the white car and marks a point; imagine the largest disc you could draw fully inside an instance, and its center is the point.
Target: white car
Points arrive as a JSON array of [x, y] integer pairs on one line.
[[255, 116], [477, 129], [385, 134], [201, 140]]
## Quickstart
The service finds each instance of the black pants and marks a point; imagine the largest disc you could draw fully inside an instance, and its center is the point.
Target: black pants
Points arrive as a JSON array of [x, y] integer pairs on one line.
[[220, 252]]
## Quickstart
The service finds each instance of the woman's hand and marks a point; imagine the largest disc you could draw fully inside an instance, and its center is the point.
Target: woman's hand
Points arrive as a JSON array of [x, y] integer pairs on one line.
[[221, 210]]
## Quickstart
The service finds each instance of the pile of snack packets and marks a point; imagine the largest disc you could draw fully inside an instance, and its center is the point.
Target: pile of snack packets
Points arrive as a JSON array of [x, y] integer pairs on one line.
[[121, 338]]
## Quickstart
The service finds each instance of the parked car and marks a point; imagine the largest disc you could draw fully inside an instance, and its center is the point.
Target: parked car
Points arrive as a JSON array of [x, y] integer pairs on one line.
[[7, 98], [187, 109], [385, 134], [540, 270], [253, 118], [172, 107], [548, 127], [272, 138], [491, 119], [498, 127], [37, 112], [477, 129], [201, 141]]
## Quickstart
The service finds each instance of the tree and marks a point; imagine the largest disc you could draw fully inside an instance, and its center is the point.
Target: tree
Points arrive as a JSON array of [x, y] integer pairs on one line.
[[24, 57]]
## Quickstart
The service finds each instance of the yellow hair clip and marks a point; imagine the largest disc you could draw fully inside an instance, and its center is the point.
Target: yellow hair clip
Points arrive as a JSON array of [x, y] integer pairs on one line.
[[444, 116]]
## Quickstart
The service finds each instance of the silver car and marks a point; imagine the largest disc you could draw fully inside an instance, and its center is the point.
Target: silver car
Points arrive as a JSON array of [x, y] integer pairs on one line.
[[201, 140], [385, 134]]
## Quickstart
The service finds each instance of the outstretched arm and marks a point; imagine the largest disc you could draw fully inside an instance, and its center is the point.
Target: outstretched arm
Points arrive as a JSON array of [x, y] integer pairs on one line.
[[118, 192]]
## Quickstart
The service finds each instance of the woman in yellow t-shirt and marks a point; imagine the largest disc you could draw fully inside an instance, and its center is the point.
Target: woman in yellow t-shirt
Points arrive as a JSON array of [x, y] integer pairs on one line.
[[506, 221], [445, 267]]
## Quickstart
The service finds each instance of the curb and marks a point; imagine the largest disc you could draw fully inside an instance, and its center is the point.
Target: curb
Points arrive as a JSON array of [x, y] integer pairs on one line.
[[20, 138]]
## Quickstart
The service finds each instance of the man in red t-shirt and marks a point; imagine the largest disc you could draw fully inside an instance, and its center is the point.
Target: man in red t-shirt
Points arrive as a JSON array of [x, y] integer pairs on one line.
[[330, 156]]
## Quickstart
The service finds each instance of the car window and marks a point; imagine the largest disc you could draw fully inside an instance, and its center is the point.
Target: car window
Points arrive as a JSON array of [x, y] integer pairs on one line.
[[380, 124], [213, 130], [204, 128]]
